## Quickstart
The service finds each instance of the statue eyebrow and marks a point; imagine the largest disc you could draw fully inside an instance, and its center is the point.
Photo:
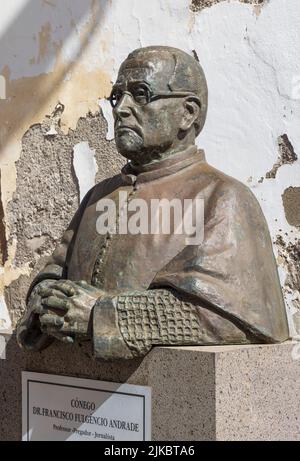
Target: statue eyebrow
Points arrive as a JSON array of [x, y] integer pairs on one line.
[[139, 82], [119, 85]]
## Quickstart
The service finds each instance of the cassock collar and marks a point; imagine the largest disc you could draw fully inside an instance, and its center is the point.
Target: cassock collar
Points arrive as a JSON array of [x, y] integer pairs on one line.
[[176, 162]]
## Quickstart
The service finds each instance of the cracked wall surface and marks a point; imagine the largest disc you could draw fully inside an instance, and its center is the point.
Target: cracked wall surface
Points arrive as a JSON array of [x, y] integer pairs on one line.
[[47, 193], [58, 71]]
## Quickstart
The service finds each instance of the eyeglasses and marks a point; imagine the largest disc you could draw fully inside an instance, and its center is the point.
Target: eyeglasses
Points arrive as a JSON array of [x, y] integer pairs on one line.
[[142, 95]]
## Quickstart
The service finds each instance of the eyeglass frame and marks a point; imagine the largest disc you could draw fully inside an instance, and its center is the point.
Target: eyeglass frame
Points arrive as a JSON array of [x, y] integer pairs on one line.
[[154, 97]]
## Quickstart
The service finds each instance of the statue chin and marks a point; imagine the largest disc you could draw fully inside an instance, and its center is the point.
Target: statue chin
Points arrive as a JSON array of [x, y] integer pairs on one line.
[[129, 144]]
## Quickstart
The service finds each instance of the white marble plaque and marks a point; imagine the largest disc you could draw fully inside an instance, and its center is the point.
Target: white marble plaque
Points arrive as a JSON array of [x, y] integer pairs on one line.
[[64, 408]]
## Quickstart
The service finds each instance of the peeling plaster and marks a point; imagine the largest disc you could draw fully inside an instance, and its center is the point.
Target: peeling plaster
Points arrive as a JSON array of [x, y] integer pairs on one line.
[[287, 155], [252, 101], [5, 321], [47, 193], [52, 131], [31, 101], [199, 5], [289, 257], [33, 89], [107, 113], [85, 167]]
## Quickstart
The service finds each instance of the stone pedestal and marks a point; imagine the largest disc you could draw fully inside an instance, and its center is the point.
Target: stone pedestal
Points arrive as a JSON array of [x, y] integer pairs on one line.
[[199, 393]]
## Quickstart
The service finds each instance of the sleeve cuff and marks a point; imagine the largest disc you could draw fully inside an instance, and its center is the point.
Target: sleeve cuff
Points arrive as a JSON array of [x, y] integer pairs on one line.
[[108, 342]]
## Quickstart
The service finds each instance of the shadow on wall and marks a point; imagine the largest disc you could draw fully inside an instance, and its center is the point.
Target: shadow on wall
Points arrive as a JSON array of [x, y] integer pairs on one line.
[[24, 96]]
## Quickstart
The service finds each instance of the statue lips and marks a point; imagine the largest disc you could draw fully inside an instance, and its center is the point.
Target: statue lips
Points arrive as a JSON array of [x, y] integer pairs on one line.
[[121, 128]]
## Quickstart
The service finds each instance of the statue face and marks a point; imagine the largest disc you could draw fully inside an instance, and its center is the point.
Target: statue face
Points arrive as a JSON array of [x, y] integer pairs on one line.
[[147, 115]]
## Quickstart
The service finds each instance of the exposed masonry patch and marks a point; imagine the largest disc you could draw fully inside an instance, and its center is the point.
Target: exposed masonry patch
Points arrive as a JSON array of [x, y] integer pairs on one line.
[[198, 5], [289, 256], [291, 204], [195, 55], [287, 155], [3, 242], [15, 296], [47, 192]]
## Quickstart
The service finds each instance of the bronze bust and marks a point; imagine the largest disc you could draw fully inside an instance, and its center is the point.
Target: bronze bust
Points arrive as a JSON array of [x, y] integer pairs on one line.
[[128, 292]]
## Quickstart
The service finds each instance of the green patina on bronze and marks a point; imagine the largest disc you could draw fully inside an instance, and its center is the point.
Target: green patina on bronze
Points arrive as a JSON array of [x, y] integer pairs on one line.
[[128, 293]]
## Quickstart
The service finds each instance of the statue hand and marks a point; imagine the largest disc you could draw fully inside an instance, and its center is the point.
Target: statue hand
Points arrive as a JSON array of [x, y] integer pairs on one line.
[[29, 334], [66, 309]]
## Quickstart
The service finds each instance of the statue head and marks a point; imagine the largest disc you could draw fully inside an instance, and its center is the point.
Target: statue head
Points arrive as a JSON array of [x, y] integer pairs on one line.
[[159, 103]]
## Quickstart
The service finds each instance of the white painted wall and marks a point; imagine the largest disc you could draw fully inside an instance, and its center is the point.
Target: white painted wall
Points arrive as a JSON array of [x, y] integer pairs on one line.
[[251, 62], [85, 167]]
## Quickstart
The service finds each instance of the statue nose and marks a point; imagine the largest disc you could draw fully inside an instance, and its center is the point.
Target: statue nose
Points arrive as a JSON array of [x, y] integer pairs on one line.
[[123, 108]]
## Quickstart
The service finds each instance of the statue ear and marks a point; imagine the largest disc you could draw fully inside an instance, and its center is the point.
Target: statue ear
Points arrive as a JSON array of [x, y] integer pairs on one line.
[[191, 113]]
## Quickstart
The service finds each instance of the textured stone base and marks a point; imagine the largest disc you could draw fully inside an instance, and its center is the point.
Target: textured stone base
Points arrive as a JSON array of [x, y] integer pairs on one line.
[[199, 393]]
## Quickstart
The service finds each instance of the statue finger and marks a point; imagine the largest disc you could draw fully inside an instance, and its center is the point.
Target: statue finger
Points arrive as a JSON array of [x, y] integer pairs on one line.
[[46, 292], [41, 310], [59, 311], [63, 338], [83, 284], [60, 305], [87, 287], [51, 323], [65, 286]]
